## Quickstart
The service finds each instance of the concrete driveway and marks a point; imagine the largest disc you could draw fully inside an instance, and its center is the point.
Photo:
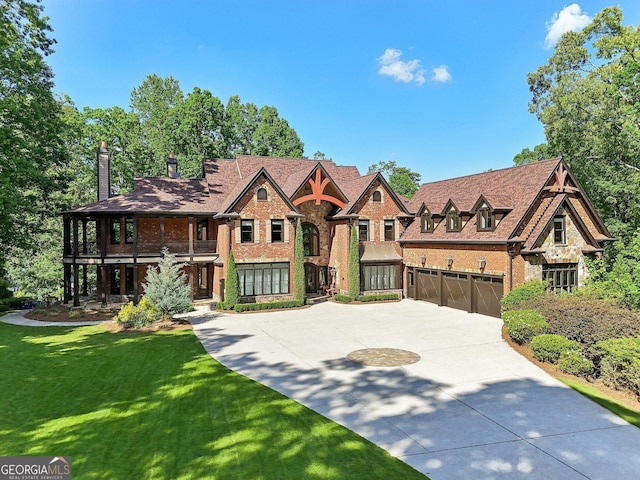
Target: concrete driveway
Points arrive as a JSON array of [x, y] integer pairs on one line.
[[470, 408]]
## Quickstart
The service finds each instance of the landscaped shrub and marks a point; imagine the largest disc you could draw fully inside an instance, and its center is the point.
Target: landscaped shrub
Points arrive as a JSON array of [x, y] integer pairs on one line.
[[587, 320], [620, 363], [525, 292], [380, 297], [574, 363], [342, 298], [246, 307], [167, 286], [523, 325], [4, 307], [138, 316], [548, 347]]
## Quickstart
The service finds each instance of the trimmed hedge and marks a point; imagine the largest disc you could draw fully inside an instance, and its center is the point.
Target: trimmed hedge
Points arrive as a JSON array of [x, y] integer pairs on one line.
[[252, 307], [379, 297], [573, 362], [620, 363], [548, 347], [522, 293], [523, 325], [338, 297]]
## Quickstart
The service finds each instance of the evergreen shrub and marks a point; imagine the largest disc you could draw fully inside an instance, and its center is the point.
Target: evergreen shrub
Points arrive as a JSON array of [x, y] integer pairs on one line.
[[379, 297], [526, 292], [620, 363], [574, 363], [548, 347], [523, 325], [338, 297], [248, 307], [138, 316]]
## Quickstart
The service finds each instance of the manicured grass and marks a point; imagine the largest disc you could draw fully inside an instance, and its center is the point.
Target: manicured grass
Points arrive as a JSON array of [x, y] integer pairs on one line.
[[155, 405], [631, 416]]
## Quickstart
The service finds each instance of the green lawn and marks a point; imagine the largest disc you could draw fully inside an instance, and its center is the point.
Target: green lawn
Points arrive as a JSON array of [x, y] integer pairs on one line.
[[631, 416], [157, 406]]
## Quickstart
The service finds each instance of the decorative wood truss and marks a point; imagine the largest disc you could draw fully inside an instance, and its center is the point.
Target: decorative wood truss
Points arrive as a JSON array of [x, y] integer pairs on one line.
[[318, 186]]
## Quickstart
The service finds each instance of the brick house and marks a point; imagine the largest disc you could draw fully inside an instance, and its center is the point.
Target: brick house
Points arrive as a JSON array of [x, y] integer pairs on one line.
[[461, 242]]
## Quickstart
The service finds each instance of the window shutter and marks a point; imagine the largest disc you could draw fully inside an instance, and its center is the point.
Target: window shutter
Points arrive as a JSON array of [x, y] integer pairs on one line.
[[286, 227], [269, 226], [237, 230], [256, 231], [382, 230], [396, 229]]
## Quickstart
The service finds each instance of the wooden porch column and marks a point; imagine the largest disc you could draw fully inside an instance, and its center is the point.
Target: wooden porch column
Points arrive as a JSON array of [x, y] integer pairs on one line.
[[84, 280], [67, 282], [84, 236], [191, 238], [66, 234], [191, 279], [75, 237], [76, 285], [161, 232], [103, 284], [136, 293]]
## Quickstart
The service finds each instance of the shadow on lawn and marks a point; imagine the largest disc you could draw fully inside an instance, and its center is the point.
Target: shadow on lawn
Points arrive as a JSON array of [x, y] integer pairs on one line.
[[157, 406], [551, 432]]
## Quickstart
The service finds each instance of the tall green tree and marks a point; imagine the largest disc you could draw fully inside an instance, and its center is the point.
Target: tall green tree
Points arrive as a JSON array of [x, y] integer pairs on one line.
[[232, 285], [299, 289], [402, 180], [587, 96], [167, 287], [354, 263]]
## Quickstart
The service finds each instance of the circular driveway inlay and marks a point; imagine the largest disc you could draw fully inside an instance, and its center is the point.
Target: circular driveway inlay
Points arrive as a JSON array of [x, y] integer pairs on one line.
[[383, 357]]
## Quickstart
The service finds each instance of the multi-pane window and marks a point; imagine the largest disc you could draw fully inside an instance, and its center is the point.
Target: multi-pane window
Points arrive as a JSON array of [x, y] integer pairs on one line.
[[115, 280], [129, 286], [277, 231], [363, 230], [246, 231], [128, 230], [310, 239], [486, 219], [561, 276], [559, 231], [454, 223], [201, 229], [114, 230], [389, 231], [426, 222], [263, 278], [381, 277]]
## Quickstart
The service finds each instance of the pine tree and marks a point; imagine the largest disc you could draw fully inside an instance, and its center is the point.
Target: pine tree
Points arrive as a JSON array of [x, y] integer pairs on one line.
[[166, 286], [298, 266], [354, 264], [232, 285]]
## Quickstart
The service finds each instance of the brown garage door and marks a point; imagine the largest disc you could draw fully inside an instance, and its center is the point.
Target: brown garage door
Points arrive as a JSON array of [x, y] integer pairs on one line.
[[455, 290], [487, 295], [428, 286]]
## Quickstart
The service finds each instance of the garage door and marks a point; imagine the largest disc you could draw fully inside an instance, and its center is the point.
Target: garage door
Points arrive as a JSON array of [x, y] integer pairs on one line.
[[428, 286], [487, 295], [456, 290]]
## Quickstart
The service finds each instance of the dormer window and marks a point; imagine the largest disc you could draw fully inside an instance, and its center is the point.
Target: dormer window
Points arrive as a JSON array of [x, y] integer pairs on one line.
[[261, 193], [426, 223], [377, 196], [454, 222], [486, 219]]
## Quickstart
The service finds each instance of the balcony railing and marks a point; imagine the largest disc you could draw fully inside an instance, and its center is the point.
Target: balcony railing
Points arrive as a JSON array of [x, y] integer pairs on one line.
[[92, 249]]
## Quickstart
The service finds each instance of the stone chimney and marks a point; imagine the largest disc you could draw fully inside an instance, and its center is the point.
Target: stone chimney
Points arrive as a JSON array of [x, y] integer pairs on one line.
[[172, 166], [104, 172]]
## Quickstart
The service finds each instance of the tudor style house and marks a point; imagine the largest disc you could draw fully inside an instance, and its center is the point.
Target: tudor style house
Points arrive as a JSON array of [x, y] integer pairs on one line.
[[462, 242]]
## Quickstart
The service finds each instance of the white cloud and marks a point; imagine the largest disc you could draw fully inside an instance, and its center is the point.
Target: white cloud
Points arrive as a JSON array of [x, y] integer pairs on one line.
[[570, 18], [441, 74], [392, 65]]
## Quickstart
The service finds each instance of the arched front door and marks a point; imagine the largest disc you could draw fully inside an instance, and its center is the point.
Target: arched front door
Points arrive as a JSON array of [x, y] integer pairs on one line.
[[310, 277]]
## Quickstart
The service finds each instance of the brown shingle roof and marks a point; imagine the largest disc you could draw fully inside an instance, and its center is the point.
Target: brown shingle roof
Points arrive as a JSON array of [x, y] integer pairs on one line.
[[512, 189]]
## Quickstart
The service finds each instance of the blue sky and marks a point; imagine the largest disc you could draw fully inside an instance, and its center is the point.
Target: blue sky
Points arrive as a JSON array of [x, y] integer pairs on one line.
[[438, 86]]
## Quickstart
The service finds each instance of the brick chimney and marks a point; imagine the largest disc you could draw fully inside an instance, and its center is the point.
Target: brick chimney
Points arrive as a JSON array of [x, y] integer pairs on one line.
[[172, 166], [104, 172]]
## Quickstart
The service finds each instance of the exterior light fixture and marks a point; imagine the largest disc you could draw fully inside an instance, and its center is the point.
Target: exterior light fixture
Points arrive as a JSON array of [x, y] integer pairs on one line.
[[482, 263], [449, 261], [423, 260]]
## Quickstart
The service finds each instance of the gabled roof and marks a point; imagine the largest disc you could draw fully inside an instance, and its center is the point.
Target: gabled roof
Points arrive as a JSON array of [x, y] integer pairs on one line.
[[510, 191], [157, 195], [358, 188]]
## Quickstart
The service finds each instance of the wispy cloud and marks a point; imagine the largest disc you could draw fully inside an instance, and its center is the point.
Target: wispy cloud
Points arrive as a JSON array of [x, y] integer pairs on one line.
[[392, 65], [570, 18], [441, 74]]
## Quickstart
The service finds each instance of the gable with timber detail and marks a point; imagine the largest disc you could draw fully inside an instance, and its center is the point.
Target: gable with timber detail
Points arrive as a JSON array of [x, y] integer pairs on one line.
[[318, 187]]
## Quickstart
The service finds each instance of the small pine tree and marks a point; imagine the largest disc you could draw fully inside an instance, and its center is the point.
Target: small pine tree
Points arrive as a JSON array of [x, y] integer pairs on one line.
[[166, 286], [354, 264], [298, 265], [232, 285]]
